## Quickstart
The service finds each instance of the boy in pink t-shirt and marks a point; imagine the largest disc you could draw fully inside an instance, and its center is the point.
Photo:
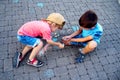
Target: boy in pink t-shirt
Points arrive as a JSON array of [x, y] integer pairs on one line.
[[28, 34]]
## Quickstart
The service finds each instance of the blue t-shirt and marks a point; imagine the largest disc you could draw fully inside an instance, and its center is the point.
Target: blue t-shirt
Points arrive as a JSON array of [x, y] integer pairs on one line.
[[95, 32]]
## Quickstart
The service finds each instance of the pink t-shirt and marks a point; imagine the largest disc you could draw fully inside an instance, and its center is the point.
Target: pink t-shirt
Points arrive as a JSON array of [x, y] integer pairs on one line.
[[35, 29]]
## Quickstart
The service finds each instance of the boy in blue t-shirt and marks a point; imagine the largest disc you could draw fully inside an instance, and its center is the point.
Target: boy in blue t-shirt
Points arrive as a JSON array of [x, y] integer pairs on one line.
[[88, 35]]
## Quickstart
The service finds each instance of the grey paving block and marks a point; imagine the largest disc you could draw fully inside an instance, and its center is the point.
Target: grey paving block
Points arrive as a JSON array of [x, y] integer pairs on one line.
[[71, 66], [112, 76], [4, 55], [85, 77], [60, 71], [92, 73], [52, 63], [62, 61], [71, 59], [8, 75], [46, 74], [117, 74], [102, 75], [112, 59], [110, 68], [102, 53], [103, 60], [88, 64], [74, 75], [94, 59], [55, 78], [103, 63], [81, 69], [65, 77], [1, 29], [8, 65], [29, 69], [21, 77], [2, 65], [34, 76], [111, 51], [18, 71], [98, 67]]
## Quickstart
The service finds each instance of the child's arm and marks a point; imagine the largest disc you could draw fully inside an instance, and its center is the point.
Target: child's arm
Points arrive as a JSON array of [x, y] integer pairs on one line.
[[75, 33], [88, 38], [60, 45], [72, 35]]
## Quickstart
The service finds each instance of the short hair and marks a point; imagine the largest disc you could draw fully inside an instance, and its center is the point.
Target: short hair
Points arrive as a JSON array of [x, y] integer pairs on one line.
[[88, 19]]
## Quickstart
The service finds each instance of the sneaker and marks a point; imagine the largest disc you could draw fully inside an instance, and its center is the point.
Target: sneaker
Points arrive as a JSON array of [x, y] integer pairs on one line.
[[80, 57], [17, 59], [33, 63]]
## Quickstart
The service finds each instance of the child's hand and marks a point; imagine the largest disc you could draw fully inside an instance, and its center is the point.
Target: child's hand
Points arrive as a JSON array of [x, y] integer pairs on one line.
[[66, 38], [61, 45]]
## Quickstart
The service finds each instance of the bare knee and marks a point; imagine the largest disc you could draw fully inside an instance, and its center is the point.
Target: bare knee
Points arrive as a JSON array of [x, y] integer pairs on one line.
[[92, 45]]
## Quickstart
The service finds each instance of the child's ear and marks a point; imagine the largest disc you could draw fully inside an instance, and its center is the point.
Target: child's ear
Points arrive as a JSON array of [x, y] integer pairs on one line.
[[53, 24]]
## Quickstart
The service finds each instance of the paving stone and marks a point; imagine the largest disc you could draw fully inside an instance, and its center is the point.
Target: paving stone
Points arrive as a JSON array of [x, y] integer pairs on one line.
[[62, 61], [103, 60], [112, 76], [71, 59], [111, 51], [8, 75], [74, 74], [102, 53], [94, 59], [102, 75], [110, 68], [21, 77], [3, 55], [52, 63], [29, 69], [65, 77], [71, 66], [55, 78], [112, 59], [88, 64], [98, 67], [117, 74], [2, 65], [60, 71], [85, 77], [92, 73], [103, 63], [8, 65], [34, 76]]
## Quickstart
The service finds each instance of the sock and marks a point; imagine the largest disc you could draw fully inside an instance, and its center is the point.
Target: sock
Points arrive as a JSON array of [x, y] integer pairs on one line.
[[80, 50]]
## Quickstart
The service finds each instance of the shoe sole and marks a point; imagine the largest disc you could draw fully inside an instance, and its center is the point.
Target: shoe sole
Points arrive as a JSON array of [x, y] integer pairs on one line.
[[16, 60], [35, 65]]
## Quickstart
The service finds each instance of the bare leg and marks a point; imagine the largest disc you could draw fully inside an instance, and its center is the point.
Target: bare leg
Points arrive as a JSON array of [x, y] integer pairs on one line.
[[25, 50], [90, 47], [35, 51], [46, 47]]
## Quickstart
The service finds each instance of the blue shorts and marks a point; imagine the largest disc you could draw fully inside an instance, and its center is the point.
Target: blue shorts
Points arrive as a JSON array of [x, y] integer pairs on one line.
[[78, 43], [27, 40]]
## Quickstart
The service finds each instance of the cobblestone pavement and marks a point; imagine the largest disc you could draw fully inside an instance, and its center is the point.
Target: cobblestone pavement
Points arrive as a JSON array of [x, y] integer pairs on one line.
[[102, 64]]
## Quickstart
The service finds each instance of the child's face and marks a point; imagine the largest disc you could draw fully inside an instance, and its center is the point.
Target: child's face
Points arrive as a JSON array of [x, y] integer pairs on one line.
[[54, 27]]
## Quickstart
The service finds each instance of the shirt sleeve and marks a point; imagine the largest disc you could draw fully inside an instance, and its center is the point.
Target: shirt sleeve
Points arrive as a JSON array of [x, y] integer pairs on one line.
[[97, 35]]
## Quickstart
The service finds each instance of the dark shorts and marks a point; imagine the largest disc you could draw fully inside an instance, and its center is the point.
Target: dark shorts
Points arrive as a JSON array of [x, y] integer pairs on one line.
[[78, 43]]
